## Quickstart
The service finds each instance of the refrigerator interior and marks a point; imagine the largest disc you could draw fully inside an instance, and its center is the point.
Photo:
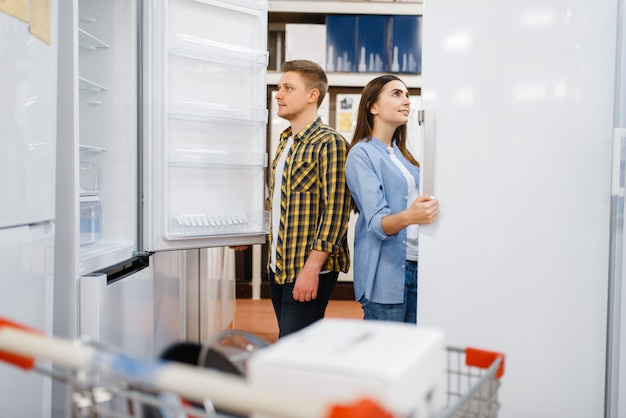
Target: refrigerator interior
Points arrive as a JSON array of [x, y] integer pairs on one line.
[[26, 293], [107, 85], [205, 120], [522, 97]]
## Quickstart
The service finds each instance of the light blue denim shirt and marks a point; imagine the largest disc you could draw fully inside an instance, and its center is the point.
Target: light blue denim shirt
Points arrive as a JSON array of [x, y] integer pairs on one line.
[[379, 189]]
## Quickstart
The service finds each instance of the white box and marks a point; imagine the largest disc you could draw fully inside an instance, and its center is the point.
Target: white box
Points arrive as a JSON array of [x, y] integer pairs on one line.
[[340, 361], [305, 41]]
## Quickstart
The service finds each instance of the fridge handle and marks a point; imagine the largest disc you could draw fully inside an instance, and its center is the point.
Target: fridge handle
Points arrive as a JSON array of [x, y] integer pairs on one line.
[[426, 119], [617, 189]]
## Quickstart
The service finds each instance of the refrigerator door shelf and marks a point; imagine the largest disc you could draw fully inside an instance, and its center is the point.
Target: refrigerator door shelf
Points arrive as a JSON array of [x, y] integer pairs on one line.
[[208, 50], [213, 191], [201, 110], [193, 82], [217, 157], [216, 224]]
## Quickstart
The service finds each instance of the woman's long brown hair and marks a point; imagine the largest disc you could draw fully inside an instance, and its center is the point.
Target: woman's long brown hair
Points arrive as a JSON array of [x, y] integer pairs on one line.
[[365, 119]]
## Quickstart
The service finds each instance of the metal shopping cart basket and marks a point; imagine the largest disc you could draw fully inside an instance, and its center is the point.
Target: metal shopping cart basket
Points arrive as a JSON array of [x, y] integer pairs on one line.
[[473, 380], [105, 383]]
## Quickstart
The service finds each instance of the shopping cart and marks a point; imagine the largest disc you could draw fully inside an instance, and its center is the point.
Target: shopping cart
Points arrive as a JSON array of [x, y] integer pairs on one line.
[[106, 383], [473, 380]]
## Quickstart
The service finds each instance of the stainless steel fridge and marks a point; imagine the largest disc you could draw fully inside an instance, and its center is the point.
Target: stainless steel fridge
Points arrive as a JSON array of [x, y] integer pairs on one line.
[[28, 57], [161, 162], [519, 102]]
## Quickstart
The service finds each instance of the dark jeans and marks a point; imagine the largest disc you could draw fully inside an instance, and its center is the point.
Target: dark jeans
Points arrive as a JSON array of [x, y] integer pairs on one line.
[[292, 315]]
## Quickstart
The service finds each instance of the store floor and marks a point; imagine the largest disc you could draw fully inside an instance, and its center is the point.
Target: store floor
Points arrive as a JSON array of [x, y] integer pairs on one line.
[[257, 315]]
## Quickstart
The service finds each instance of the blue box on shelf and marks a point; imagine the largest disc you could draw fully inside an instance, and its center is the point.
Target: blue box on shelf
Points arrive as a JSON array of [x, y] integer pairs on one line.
[[406, 44], [372, 44], [341, 41]]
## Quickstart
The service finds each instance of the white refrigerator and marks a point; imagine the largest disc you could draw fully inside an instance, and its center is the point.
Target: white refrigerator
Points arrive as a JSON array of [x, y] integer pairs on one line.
[[161, 164], [519, 104], [28, 90]]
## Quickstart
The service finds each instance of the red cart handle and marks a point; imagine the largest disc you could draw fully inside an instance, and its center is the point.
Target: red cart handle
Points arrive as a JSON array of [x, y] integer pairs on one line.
[[483, 359], [25, 363], [362, 408]]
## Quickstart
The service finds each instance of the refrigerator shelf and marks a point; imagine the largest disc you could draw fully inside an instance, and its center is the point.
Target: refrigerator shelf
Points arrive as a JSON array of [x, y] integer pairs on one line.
[[199, 157], [88, 85], [86, 150], [208, 50], [226, 223], [87, 41]]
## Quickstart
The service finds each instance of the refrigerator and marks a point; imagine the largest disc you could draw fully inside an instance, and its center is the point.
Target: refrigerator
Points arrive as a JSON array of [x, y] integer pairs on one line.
[[161, 162], [519, 103], [28, 51]]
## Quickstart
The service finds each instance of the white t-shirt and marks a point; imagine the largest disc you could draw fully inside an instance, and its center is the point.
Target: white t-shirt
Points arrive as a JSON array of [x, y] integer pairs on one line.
[[412, 231], [278, 182]]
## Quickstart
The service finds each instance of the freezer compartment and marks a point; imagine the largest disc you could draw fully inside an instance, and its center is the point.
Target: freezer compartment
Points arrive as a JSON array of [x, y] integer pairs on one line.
[[117, 307]]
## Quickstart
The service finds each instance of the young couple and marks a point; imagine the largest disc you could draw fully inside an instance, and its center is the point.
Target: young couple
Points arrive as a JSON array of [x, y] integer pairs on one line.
[[315, 178]]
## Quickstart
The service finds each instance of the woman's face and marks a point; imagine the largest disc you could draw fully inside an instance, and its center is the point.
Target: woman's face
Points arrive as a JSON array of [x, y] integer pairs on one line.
[[393, 105]]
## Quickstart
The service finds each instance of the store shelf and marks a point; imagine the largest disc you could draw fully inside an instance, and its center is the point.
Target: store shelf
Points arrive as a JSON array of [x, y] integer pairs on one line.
[[347, 7], [352, 79]]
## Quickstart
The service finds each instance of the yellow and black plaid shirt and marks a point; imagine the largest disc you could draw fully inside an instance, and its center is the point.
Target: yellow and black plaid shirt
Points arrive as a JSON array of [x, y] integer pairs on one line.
[[314, 203]]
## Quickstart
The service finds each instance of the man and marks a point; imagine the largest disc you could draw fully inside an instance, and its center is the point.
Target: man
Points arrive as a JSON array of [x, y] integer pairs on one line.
[[310, 202]]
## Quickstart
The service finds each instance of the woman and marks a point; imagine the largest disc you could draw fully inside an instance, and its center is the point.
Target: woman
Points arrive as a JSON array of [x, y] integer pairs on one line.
[[383, 178]]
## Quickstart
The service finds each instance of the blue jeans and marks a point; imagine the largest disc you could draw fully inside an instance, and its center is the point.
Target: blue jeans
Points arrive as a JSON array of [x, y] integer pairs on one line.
[[398, 312], [293, 315]]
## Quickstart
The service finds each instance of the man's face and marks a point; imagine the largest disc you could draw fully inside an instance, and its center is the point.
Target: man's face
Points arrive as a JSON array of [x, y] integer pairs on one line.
[[292, 96]]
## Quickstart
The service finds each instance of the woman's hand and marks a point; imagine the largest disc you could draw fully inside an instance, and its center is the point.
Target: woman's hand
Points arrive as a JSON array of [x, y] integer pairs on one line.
[[423, 210]]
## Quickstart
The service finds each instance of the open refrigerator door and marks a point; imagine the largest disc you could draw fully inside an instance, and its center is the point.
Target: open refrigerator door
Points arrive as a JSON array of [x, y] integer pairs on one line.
[[205, 124]]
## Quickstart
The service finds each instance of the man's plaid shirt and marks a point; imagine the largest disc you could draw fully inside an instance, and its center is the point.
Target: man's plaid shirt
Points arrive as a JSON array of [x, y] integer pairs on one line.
[[315, 201]]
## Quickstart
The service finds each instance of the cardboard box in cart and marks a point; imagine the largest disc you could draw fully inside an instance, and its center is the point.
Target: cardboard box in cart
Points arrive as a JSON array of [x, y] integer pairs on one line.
[[401, 366]]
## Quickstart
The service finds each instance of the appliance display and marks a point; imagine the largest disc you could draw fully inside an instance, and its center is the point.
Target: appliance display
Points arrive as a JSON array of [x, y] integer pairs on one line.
[[28, 112], [161, 155], [518, 258]]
